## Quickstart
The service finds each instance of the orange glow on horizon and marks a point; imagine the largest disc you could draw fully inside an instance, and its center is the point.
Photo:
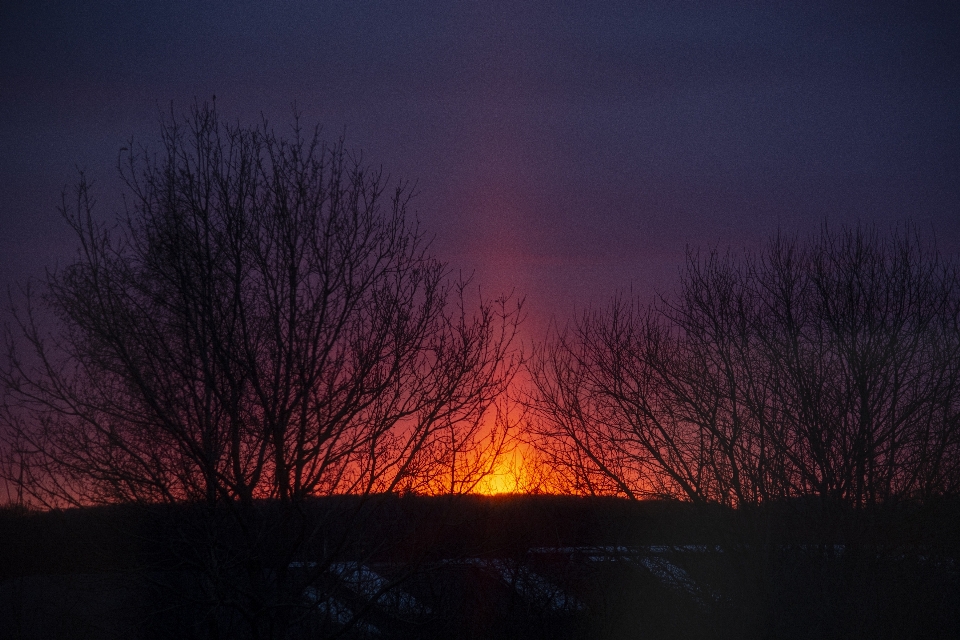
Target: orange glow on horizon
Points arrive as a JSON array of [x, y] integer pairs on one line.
[[510, 475]]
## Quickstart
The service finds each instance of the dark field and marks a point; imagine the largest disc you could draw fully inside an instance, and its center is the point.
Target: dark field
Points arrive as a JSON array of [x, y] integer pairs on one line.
[[519, 567]]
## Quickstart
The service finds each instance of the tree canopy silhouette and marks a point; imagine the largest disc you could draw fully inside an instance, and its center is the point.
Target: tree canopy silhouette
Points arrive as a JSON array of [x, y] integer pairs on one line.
[[263, 323], [828, 367]]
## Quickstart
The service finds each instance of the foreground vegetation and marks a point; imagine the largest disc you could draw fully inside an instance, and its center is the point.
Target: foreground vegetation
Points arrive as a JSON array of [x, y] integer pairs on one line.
[[518, 566]]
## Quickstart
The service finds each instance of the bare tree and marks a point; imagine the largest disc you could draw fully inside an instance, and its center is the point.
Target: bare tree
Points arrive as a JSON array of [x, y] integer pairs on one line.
[[826, 368], [263, 323]]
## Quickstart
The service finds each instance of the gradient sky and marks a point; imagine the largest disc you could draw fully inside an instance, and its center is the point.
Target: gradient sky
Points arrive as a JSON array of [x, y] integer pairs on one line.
[[563, 150]]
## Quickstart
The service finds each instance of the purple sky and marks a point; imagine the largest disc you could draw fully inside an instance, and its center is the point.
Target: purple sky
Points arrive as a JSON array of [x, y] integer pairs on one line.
[[564, 150]]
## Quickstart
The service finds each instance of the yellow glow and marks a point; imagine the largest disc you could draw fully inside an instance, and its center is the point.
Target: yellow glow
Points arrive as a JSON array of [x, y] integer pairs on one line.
[[505, 477], [495, 484]]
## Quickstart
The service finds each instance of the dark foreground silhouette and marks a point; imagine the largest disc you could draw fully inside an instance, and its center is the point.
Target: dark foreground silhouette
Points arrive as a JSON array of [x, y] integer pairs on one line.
[[511, 566]]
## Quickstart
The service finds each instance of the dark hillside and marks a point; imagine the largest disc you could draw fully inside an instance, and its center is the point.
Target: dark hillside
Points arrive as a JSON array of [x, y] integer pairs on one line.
[[509, 566]]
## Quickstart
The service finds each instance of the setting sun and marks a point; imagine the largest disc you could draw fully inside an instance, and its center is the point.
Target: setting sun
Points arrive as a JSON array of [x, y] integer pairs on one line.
[[497, 483], [506, 477]]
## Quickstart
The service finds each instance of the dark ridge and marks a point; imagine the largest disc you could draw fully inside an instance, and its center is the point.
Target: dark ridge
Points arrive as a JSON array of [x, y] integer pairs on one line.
[[520, 566], [392, 527]]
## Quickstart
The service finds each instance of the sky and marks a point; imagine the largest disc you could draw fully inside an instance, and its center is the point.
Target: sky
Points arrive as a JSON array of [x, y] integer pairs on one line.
[[562, 151]]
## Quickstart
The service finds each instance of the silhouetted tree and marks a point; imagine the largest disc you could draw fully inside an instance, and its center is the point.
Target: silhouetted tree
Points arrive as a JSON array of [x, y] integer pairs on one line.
[[264, 323], [826, 368], [813, 386]]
